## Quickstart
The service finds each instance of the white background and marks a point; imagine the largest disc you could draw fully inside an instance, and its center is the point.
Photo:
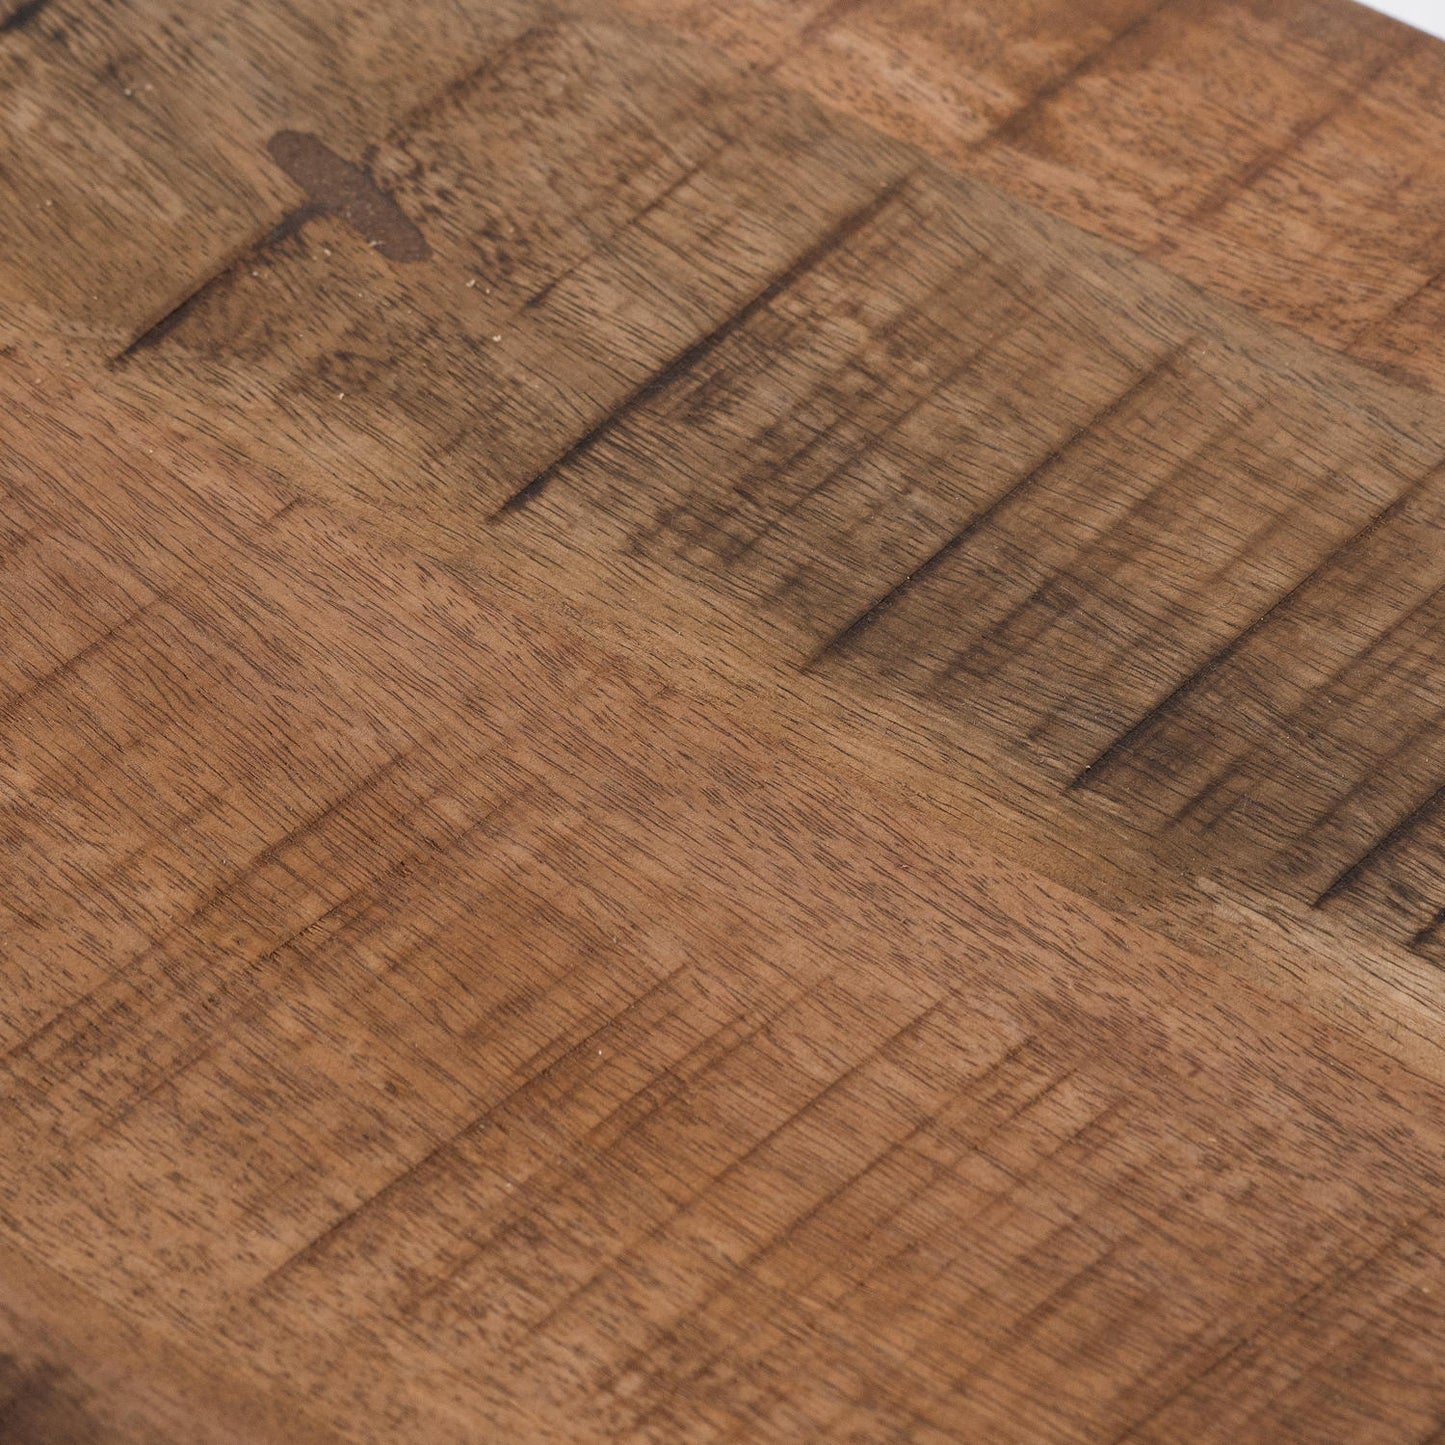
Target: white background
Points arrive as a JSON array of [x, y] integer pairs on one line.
[[1427, 14]]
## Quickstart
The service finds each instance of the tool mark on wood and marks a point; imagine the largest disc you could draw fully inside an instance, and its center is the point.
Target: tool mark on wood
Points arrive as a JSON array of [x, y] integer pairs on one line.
[[438, 1154], [538, 297], [289, 225], [23, 15], [1064, 591], [751, 490], [686, 359], [1379, 324], [1297, 1305], [1346, 877], [1431, 931], [1249, 175], [826, 19], [1403, 745], [459, 87], [333, 187], [1089, 774], [348, 191], [68, 667], [842, 640], [779, 1241], [1014, 125], [371, 1202]]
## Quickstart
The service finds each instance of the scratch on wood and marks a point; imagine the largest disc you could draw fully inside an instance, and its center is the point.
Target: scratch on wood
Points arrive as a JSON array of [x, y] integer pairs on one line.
[[661, 199], [43, 1403], [842, 640], [1016, 123], [1262, 164], [686, 359], [1206, 669], [457, 88], [1362, 783], [289, 225], [1347, 877], [369, 1203], [333, 186], [1427, 935]]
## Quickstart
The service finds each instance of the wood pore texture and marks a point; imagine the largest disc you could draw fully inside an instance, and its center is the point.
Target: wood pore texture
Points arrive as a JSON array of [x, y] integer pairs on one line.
[[721, 722]]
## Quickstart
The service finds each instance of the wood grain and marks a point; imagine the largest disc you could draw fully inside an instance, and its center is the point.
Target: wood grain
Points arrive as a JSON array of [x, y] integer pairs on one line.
[[1024, 487], [668, 773], [1282, 153]]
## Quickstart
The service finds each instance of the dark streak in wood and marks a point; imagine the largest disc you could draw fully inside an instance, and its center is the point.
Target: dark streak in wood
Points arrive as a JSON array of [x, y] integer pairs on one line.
[[1089, 774], [22, 15], [679, 365], [1347, 877], [843, 639]]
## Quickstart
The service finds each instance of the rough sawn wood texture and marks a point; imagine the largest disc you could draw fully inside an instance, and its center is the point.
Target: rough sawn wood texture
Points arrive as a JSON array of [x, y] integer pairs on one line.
[[721, 722]]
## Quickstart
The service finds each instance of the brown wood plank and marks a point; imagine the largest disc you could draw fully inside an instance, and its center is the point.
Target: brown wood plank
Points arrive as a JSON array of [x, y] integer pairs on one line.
[[667, 773]]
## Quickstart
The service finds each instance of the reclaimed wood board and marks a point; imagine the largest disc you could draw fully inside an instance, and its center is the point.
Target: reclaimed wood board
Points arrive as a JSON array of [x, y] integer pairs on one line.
[[721, 722]]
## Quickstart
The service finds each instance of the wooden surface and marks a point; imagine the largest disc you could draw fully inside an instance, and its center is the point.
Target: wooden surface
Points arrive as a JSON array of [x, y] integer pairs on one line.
[[721, 722]]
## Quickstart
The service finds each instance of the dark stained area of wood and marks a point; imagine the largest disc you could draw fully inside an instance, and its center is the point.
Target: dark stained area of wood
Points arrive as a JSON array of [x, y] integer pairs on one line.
[[348, 191], [22, 15], [721, 723], [41, 1404]]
